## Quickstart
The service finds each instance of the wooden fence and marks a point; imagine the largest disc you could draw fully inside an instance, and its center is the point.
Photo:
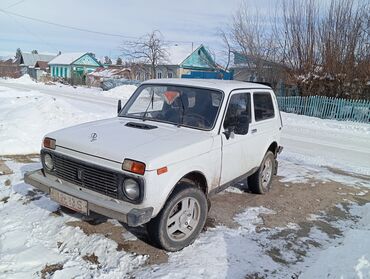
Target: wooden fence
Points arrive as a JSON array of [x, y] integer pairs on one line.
[[326, 107]]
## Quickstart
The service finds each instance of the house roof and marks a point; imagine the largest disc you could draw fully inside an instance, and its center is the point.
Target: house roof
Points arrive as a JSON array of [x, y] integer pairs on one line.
[[110, 72], [30, 59], [178, 53], [199, 59], [41, 64], [67, 58]]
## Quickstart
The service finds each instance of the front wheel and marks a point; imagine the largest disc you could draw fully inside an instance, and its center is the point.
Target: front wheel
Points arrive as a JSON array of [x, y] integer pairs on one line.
[[181, 219], [260, 181]]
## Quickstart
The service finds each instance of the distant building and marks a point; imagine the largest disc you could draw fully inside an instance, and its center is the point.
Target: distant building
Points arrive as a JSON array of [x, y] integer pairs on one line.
[[73, 67], [253, 69], [183, 62], [112, 72], [40, 69], [24, 63], [9, 67], [200, 64], [28, 61]]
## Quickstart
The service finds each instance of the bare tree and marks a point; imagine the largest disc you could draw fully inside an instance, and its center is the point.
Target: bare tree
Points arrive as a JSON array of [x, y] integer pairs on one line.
[[325, 46], [149, 49], [227, 46], [255, 42]]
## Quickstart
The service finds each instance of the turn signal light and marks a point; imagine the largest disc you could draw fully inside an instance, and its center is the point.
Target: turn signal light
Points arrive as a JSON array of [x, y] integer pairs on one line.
[[133, 166], [49, 143], [162, 170]]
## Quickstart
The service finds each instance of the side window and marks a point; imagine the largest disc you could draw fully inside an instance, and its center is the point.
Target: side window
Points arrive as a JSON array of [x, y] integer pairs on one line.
[[239, 110], [263, 107]]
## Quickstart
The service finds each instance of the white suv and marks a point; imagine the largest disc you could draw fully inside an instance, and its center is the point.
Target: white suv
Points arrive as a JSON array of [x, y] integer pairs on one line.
[[175, 143]]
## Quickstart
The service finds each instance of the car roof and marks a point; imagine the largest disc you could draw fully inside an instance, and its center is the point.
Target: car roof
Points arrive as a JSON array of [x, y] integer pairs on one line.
[[224, 85]]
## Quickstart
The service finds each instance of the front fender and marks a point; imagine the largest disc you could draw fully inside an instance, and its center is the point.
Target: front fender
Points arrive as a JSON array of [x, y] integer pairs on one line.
[[160, 187]]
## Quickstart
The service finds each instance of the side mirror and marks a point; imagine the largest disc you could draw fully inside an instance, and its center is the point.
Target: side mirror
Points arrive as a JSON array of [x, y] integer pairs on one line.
[[119, 106], [229, 133]]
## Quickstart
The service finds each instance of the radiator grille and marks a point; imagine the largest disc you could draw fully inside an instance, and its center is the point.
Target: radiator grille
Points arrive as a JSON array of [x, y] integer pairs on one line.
[[88, 176]]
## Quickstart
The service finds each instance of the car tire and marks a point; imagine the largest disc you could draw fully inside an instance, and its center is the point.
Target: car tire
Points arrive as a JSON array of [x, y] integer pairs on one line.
[[260, 181], [181, 219]]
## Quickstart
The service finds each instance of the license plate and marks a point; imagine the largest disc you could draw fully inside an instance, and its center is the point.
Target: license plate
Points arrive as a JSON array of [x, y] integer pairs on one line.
[[69, 201]]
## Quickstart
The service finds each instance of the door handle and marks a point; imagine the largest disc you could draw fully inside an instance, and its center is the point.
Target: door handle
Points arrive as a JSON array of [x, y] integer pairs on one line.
[[254, 131]]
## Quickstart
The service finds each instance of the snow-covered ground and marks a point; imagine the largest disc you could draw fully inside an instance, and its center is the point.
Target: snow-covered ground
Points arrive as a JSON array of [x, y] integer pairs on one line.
[[33, 234], [29, 110]]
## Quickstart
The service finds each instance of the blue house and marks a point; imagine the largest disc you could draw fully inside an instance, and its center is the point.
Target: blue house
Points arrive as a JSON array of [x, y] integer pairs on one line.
[[200, 64], [73, 67]]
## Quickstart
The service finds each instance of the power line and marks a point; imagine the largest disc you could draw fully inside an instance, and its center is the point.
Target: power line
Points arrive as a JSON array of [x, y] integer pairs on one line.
[[15, 4], [67, 26], [33, 34], [83, 29]]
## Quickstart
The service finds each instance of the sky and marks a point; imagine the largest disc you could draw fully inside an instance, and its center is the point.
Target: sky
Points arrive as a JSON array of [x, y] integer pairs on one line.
[[180, 22]]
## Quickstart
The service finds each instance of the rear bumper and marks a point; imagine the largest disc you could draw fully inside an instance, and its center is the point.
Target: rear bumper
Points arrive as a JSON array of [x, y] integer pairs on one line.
[[96, 202]]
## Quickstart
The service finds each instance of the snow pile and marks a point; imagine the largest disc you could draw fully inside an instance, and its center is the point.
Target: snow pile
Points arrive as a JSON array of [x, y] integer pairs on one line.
[[123, 92], [27, 116], [25, 79]]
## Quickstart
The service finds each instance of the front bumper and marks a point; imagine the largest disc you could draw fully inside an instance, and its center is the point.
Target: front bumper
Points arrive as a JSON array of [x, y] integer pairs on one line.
[[96, 202]]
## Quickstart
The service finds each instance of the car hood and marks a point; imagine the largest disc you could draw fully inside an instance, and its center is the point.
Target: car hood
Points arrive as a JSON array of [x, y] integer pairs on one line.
[[111, 139]]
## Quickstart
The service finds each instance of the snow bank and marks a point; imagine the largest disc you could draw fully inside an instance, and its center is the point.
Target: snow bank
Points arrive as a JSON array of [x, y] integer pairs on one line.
[[25, 79], [27, 116], [123, 92]]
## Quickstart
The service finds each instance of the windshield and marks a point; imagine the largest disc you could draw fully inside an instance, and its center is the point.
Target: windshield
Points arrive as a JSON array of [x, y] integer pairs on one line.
[[185, 106]]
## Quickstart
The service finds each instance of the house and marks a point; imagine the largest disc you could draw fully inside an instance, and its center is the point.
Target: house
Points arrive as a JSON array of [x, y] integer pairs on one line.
[[112, 72], [200, 64], [255, 69], [27, 62], [40, 69], [183, 62], [73, 67], [9, 67]]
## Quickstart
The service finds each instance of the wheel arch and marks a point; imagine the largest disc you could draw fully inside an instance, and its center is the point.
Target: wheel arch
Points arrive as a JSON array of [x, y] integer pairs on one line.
[[273, 147]]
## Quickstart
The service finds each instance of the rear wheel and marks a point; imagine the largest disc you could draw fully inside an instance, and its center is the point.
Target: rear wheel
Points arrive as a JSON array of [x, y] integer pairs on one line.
[[181, 219], [260, 181]]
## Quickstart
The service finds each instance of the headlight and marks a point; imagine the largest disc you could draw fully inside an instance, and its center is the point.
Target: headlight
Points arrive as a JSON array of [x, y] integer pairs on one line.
[[131, 189], [48, 161]]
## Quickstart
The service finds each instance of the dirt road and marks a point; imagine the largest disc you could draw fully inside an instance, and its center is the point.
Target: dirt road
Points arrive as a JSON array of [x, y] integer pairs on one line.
[[294, 211]]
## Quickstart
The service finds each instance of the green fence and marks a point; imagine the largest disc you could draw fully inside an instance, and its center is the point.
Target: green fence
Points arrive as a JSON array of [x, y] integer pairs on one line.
[[325, 107]]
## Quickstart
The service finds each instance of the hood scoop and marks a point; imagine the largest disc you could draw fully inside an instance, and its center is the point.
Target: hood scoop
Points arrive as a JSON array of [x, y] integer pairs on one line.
[[140, 126]]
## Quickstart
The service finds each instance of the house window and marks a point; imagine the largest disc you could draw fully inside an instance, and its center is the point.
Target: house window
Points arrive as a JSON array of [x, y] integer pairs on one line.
[[65, 72], [170, 75], [57, 71], [159, 75]]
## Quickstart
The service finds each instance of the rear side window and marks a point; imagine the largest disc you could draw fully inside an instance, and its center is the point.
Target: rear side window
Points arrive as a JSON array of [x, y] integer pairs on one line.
[[263, 107]]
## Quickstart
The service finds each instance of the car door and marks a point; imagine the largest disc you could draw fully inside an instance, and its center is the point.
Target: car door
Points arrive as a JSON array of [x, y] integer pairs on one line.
[[265, 124], [235, 147]]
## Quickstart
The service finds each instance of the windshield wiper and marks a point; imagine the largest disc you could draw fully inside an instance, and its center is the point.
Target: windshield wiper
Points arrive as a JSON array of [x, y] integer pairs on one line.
[[150, 103]]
